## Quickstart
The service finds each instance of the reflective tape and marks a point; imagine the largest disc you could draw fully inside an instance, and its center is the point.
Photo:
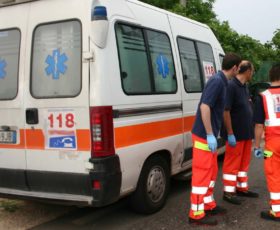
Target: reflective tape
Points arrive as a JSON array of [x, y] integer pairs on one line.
[[197, 213], [242, 185], [272, 213], [229, 188], [208, 199], [230, 177], [272, 122], [212, 184], [275, 208], [242, 174], [199, 190], [197, 207], [267, 153], [274, 196], [201, 146], [269, 107]]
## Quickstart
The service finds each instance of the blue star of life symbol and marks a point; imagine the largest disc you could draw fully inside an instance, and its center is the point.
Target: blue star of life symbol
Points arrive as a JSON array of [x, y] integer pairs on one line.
[[3, 65], [162, 65], [56, 64]]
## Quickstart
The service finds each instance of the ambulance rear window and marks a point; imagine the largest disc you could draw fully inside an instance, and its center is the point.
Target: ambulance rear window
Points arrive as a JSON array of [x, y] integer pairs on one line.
[[56, 60], [9, 62]]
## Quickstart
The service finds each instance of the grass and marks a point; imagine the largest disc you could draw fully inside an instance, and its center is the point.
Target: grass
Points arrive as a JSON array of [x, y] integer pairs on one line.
[[9, 205]]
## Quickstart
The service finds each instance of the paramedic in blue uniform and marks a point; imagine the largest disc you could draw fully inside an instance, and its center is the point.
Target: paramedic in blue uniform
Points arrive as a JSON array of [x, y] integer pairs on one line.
[[238, 132], [208, 121]]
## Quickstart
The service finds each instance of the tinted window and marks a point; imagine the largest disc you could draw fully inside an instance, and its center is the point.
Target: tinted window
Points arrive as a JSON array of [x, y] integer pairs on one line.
[[133, 60], [146, 61], [207, 59], [9, 61], [190, 65], [56, 65], [162, 62]]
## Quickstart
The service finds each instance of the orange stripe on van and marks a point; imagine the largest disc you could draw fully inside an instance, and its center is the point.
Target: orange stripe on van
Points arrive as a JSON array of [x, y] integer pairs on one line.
[[21, 144], [188, 123], [35, 139], [84, 139], [135, 134]]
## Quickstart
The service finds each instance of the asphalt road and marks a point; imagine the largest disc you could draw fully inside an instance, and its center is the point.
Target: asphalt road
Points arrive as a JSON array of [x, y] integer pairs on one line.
[[175, 213]]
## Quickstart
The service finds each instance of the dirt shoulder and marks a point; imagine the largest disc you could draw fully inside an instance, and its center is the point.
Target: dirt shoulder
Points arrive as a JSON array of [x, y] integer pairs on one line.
[[19, 215]]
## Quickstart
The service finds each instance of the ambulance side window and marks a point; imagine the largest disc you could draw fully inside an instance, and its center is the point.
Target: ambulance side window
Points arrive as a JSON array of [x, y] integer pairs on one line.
[[56, 60], [207, 59], [162, 62], [133, 60], [9, 63], [190, 65], [146, 61]]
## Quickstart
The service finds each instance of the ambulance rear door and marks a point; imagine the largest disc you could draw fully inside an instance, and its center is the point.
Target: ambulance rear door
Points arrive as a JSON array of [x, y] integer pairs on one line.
[[12, 141], [57, 102]]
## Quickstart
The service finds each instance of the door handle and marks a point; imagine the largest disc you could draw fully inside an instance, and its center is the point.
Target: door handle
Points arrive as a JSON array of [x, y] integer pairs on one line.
[[32, 116], [5, 128]]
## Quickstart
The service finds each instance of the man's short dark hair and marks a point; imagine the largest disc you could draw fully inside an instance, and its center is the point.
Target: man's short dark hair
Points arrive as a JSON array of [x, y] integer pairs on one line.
[[274, 72], [244, 66], [230, 60]]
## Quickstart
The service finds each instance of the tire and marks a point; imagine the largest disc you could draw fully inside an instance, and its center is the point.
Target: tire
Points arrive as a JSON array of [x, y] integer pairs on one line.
[[153, 186]]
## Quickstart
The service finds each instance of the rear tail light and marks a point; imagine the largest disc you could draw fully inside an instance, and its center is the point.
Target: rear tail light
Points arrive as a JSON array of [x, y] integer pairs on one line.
[[96, 184], [101, 119]]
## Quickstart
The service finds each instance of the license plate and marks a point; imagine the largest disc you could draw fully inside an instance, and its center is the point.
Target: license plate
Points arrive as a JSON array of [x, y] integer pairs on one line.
[[8, 137]]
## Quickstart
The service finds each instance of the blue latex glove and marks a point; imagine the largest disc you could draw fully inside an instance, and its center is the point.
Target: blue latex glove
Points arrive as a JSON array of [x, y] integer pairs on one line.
[[258, 152], [212, 143], [231, 140]]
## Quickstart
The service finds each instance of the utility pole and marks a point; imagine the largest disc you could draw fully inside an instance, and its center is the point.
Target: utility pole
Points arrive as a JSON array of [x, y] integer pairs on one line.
[[183, 2]]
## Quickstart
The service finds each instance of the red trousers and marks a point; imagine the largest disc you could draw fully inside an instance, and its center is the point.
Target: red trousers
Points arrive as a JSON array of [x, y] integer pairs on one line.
[[204, 174], [236, 166], [272, 173]]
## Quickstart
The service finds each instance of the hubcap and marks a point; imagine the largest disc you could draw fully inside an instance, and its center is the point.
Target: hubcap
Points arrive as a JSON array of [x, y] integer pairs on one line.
[[156, 184]]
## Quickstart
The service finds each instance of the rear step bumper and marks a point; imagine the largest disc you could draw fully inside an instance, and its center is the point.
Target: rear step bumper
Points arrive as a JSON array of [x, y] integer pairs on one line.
[[61, 187], [57, 198]]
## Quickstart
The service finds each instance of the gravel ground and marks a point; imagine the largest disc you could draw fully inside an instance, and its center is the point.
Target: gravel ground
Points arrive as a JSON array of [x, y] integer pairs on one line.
[[19, 215]]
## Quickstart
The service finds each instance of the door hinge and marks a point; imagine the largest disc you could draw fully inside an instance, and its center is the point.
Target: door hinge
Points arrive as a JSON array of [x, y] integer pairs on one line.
[[88, 56]]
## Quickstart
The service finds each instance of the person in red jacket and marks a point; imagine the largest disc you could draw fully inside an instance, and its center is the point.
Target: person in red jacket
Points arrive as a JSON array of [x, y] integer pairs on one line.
[[267, 119], [207, 125], [238, 131]]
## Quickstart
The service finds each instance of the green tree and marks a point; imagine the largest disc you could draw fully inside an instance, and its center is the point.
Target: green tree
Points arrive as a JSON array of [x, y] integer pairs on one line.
[[164, 4], [276, 39], [248, 48]]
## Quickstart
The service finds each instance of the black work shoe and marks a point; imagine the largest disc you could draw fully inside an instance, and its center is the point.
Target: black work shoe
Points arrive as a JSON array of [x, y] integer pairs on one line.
[[206, 221], [232, 198], [247, 194], [268, 216], [218, 210]]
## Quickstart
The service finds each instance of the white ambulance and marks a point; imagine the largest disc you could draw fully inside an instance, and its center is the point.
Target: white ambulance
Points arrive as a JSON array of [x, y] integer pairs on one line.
[[98, 98]]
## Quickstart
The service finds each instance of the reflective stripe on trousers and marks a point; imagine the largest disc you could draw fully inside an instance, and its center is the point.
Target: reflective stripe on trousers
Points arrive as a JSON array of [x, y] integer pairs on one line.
[[204, 174], [274, 196], [229, 177]]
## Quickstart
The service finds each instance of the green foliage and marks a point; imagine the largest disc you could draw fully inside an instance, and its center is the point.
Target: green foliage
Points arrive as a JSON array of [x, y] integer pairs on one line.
[[201, 11], [164, 4], [9, 205], [262, 74], [276, 39], [261, 55]]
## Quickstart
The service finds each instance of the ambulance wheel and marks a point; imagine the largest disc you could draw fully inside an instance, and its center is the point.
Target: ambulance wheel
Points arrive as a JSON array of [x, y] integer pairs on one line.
[[153, 186]]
